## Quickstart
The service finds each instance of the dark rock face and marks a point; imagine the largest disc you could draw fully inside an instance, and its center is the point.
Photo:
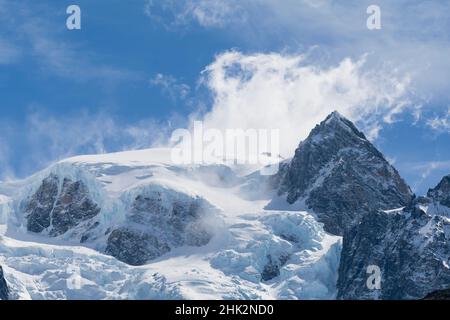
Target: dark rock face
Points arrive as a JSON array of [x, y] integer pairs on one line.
[[135, 248], [41, 205], [59, 210], [272, 268], [158, 222], [341, 176], [439, 295], [441, 193], [4, 291], [72, 207], [410, 247]]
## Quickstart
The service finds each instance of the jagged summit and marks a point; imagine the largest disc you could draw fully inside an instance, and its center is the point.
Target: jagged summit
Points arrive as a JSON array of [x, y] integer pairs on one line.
[[441, 192], [336, 117], [335, 114], [341, 175], [335, 125]]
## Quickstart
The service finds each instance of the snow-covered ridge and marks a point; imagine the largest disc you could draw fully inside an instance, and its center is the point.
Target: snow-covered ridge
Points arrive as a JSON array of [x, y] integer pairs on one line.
[[185, 221], [133, 225]]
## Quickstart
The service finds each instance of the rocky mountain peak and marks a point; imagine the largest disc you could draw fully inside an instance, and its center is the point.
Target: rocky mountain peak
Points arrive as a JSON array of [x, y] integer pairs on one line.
[[336, 126], [341, 175], [441, 193]]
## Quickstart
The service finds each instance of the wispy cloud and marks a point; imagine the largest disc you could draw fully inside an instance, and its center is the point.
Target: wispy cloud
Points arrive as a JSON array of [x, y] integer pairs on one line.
[[440, 123], [34, 37], [286, 92], [49, 138], [428, 167], [171, 86], [206, 13], [337, 29], [431, 173]]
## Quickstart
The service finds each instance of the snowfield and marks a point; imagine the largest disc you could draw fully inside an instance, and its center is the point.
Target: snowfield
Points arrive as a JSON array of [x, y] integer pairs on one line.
[[253, 253]]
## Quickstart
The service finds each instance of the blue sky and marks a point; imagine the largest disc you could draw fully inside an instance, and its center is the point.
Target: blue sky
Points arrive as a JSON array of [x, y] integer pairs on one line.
[[138, 69]]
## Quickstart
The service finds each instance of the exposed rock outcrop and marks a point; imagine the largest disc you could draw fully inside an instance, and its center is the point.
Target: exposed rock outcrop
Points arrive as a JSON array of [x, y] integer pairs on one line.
[[441, 193], [59, 206], [159, 221], [134, 247]]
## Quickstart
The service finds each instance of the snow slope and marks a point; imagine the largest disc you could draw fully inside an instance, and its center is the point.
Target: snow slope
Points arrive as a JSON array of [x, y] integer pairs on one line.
[[252, 253]]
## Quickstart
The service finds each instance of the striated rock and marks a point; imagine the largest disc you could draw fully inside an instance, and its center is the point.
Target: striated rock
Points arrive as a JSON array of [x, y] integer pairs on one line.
[[341, 176], [159, 221], [58, 211], [4, 291], [410, 246]]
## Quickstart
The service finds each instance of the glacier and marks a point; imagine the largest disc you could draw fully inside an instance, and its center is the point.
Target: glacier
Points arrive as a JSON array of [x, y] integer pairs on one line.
[[245, 252]]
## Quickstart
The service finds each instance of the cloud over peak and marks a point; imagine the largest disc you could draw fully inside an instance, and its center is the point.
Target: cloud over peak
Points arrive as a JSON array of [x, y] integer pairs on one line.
[[286, 92]]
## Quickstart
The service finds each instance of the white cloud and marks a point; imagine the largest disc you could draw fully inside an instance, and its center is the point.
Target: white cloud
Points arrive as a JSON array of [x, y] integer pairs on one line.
[[171, 86], [410, 29], [278, 91], [206, 13], [440, 123], [259, 91], [214, 12]]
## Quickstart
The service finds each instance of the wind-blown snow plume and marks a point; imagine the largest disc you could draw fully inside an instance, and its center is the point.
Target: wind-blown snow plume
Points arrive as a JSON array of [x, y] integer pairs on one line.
[[279, 91]]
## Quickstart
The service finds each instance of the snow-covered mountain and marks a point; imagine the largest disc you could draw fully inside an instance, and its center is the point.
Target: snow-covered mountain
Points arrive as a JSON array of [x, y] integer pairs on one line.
[[133, 225], [337, 173]]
